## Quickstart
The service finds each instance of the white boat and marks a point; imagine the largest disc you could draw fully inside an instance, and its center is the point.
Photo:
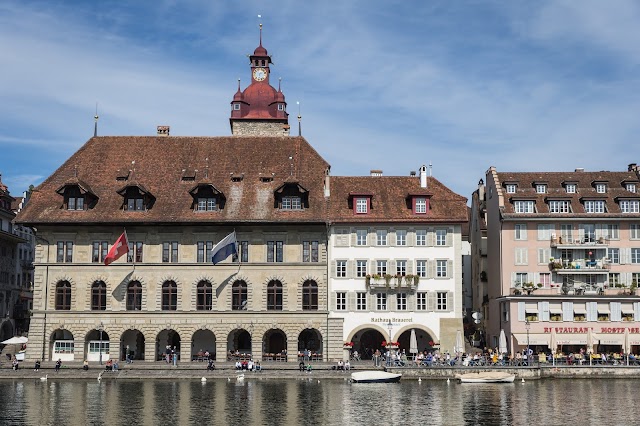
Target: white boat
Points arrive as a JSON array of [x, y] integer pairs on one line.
[[374, 376], [487, 377]]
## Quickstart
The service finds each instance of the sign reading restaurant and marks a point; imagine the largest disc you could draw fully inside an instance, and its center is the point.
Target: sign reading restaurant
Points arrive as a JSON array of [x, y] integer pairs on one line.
[[586, 329], [392, 319]]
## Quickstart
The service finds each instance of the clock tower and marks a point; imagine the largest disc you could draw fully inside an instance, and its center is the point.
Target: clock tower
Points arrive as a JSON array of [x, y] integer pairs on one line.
[[259, 110]]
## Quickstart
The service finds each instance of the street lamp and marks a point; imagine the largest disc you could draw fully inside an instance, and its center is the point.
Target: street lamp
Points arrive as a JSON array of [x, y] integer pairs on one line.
[[527, 325], [100, 329]]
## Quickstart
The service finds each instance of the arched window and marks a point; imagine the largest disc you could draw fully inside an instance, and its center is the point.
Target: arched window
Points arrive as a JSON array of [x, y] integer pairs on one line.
[[274, 295], [98, 296], [63, 296], [169, 296], [310, 296], [204, 299], [134, 296], [239, 296]]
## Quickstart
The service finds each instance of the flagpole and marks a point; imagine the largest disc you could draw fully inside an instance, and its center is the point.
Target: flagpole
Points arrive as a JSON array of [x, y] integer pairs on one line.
[[133, 251], [237, 252]]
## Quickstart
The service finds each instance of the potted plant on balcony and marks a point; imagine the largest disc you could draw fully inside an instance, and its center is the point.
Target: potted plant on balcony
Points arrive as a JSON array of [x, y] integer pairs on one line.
[[372, 280], [387, 279], [529, 287]]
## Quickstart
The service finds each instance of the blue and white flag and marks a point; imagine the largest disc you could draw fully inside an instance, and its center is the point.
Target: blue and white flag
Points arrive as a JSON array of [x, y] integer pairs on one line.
[[224, 248]]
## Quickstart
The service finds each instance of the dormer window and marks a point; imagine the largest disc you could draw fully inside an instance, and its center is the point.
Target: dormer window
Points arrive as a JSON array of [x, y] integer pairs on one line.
[[524, 206], [511, 188], [570, 188], [291, 196], [601, 188], [420, 205], [541, 188], [77, 196], [630, 206], [280, 107], [136, 198], [362, 205], [236, 107], [206, 198], [594, 206], [631, 187]]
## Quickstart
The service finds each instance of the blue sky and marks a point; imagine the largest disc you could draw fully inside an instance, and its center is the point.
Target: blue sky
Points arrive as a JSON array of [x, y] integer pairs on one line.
[[465, 85]]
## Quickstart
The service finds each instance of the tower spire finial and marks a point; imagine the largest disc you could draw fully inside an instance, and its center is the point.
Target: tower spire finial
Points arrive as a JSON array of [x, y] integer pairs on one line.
[[260, 18], [279, 83], [95, 124]]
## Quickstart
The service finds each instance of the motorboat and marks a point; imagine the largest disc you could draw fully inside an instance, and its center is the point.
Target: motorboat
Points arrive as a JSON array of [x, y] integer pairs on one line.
[[374, 376], [487, 377]]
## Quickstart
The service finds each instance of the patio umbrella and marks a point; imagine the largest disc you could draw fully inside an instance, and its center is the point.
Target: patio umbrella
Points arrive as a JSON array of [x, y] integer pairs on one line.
[[590, 341], [502, 346], [459, 348], [16, 340], [413, 342], [627, 346], [553, 345]]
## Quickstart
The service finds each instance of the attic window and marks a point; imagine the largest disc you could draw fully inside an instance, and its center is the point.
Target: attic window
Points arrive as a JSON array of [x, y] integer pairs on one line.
[[571, 188], [601, 188], [511, 188], [236, 178], [291, 196], [77, 196], [291, 203], [236, 107], [631, 187], [362, 205], [136, 198], [74, 200], [280, 107], [541, 188], [266, 179], [188, 175], [420, 205]]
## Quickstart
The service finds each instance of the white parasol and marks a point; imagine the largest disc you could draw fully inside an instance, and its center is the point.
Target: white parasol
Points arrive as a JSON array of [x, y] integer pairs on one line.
[[502, 346], [16, 340], [459, 348], [413, 342]]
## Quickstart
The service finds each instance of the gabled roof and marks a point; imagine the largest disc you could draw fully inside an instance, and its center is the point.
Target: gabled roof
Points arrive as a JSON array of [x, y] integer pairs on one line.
[[159, 161], [390, 193]]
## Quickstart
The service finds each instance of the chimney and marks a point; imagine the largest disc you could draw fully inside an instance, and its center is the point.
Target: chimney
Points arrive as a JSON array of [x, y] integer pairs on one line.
[[633, 167], [375, 172], [579, 169], [327, 183], [423, 176], [163, 130], [481, 190]]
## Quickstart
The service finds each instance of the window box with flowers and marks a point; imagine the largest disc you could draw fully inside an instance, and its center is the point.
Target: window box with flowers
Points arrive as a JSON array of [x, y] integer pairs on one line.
[[375, 281], [386, 344], [348, 345], [579, 318], [409, 281], [555, 317], [627, 317]]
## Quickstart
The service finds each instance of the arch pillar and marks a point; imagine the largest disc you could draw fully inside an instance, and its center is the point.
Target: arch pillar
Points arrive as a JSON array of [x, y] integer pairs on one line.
[[221, 347]]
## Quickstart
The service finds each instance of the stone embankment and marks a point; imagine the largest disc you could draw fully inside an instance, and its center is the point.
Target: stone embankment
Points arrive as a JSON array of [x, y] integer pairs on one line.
[[193, 371]]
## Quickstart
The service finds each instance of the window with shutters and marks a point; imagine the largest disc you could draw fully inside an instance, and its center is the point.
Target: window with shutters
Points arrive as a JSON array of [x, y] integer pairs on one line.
[[381, 267], [610, 231], [361, 237], [401, 237], [421, 301], [520, 278], [381, 237], [421, 268], [361, 268], [441, 301], [441, 268], [545, 279], [520, 231], [341, 268], [401, 301], [544, 256], [441, 237], [634, 231], [635, 255], [421, 237], [401, 267], [341, 301], [361, 301], [521, 256], [613, 254], [544, 232], [381, 301]]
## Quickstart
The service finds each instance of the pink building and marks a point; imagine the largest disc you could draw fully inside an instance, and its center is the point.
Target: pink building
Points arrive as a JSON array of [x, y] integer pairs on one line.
[[563, 259]]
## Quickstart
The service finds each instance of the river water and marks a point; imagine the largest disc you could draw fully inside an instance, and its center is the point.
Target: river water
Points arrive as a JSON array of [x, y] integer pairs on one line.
[[309, 402]]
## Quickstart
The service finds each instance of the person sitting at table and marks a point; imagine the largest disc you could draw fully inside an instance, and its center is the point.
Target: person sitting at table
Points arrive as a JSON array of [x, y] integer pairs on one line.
[[207, 355], [200, 354]]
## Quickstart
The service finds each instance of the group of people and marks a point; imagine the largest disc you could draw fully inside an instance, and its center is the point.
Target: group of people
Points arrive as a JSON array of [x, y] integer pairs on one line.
[[171, 355], [305, 367], [249, 365], [343, 365]]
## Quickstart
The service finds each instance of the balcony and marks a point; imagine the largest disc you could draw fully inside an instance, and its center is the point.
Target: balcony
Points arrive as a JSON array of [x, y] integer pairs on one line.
[[409, 282], [580, 267], [588, 241]]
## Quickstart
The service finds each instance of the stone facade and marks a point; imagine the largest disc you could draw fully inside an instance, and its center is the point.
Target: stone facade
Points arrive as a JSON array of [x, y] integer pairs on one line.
[[259, 128]]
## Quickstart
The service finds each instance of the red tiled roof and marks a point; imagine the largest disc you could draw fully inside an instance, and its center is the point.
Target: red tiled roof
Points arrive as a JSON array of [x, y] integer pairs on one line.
[[389, 200], [159, 165], [556, 191]]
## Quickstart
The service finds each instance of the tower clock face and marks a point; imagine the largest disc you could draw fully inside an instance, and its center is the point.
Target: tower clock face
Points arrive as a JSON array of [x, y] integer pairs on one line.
[[259, 74]]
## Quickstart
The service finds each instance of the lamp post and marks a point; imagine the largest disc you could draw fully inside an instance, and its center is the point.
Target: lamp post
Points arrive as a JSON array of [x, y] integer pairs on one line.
[[100, 329], [527, 325]]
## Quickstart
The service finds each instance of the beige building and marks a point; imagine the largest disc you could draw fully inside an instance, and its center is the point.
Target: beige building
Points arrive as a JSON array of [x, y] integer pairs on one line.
[[563, 258]]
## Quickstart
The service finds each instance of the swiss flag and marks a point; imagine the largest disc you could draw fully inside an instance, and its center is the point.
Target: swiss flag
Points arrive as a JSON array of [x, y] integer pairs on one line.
[[120, 247]]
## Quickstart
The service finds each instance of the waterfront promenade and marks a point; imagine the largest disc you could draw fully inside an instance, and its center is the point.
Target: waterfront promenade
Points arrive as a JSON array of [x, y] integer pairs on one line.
[[320, 370]]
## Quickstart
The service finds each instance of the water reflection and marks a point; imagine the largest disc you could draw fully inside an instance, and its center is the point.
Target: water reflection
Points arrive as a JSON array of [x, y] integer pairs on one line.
[[331, 402]]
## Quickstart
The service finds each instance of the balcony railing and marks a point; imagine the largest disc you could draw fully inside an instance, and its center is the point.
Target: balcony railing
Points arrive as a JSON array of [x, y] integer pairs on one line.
[[580, 266], [587, 241], [409, 282]]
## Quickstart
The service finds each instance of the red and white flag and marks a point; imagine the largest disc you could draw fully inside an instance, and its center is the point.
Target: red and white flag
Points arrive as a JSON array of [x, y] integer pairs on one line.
[[120, 247]]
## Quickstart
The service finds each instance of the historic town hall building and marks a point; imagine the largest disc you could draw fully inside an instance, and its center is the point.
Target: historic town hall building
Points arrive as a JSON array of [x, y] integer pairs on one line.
[[177, 197]]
